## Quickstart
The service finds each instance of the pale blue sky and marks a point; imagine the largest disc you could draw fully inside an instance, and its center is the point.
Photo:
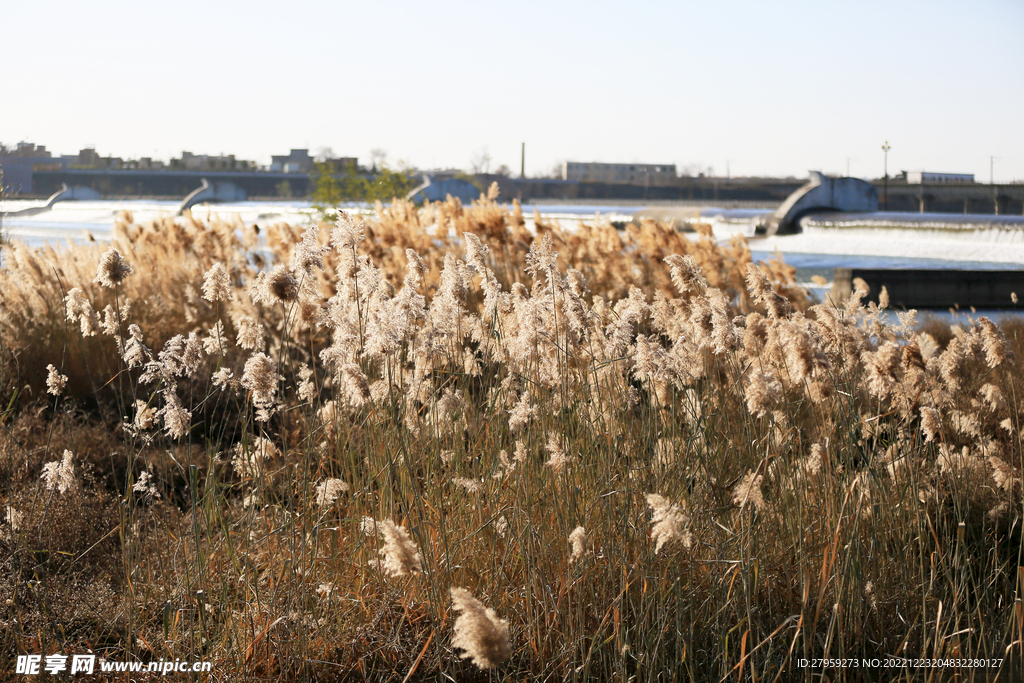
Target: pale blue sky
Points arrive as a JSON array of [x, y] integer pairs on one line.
[[769, 87]]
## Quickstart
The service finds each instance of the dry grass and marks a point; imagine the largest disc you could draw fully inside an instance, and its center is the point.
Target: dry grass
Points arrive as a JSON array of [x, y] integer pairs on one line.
[[620, 463]]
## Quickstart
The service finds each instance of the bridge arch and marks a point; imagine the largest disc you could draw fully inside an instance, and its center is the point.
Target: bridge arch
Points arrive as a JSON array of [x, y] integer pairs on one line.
[[821, 193]]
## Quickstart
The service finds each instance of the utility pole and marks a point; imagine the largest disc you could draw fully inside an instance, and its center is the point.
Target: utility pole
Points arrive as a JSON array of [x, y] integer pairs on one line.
[[522, 162], [992, 182], [885, 177]]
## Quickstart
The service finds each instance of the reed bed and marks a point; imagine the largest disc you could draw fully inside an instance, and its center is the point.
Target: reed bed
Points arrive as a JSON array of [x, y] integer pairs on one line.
[[437, 445]]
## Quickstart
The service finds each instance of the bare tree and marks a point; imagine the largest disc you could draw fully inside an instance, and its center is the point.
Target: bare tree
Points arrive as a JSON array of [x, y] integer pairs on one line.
[[692, 170], [378, 157], [480, 162]]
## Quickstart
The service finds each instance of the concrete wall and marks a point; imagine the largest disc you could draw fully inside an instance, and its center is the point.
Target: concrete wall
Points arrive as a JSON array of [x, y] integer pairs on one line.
[[19, 171], [934, 288]]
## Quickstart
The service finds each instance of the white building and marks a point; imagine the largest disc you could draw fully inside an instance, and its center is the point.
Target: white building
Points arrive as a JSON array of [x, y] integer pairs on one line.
[[626, 174], [930, 178]]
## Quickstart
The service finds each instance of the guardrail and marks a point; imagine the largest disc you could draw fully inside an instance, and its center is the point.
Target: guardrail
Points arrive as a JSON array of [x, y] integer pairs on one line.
[[721, 203]]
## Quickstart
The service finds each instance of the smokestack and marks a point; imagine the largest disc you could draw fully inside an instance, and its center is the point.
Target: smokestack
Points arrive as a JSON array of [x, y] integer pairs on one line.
[[522, 162]]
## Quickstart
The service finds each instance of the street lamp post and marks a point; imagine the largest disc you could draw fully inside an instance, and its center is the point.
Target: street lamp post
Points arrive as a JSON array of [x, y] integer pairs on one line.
[[885, 177]]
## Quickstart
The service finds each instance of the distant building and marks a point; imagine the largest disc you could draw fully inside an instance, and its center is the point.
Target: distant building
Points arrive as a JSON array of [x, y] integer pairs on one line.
[[18, 163], [930, 178], [621, 174], [206, 162], [296, 161], [342, 164], [147, 164], [87, 158], [25, 150]]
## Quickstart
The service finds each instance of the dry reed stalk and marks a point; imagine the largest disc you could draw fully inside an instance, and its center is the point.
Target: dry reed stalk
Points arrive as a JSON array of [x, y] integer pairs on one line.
[[395, 360]]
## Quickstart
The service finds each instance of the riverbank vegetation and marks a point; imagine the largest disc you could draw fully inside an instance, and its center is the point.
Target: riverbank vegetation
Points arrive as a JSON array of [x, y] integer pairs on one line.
[[437, 444], [333, 185]]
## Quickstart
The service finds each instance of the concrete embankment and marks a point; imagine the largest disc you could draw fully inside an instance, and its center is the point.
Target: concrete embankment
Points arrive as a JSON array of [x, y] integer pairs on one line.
[[933, 288]]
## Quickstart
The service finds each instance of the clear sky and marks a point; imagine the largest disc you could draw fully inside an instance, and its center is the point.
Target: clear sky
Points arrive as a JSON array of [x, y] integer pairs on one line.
[[767, 88]]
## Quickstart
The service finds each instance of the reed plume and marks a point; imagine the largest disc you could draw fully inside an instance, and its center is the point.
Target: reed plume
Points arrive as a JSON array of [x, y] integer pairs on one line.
[[113, 269], [55, 382], [60, 475], [668, 522], [479, 632], [245, 404]]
